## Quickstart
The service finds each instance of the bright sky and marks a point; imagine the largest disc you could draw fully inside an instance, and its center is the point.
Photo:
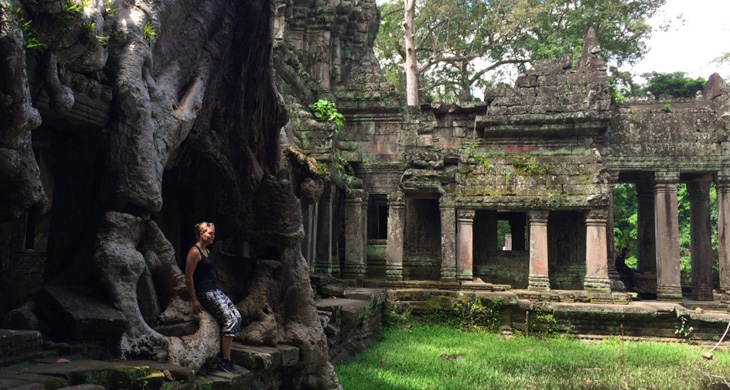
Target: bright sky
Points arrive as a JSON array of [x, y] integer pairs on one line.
[[691, 47]]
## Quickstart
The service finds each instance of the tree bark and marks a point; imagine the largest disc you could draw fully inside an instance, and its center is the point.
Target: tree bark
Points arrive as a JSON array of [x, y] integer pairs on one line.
[[411, 65]]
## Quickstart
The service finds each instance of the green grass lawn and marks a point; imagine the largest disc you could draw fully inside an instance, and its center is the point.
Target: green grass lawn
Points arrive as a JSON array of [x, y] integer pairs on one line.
[[432, 357]]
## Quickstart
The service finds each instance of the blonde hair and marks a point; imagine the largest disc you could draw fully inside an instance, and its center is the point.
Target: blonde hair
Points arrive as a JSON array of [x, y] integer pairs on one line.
[[201, 227]]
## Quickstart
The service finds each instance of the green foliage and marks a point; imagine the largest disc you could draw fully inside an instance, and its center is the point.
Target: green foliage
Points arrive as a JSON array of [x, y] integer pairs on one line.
[[327, 111], [616, 96], [466, 45], [530, 166], [542, 324], [683, 330], [676, 84], [426, 357], [667, 108], [474, 314], [17, 16], [149, 32], [397, 316], [29, 37], [625, 219], [343, 165], [72, 9]]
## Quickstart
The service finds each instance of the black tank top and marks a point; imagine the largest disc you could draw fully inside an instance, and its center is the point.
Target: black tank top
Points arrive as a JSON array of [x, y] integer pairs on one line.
[[204, 275]]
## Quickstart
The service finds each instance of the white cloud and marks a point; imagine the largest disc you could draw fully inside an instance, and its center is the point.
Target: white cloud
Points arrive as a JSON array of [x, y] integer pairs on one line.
[[691, 47]]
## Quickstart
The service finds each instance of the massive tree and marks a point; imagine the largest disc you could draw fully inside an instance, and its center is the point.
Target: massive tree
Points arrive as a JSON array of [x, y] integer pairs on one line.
[[192, 92], [457, 42]]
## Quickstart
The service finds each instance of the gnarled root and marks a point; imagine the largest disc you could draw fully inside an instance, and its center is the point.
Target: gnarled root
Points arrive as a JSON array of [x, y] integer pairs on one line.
[[121, 242]]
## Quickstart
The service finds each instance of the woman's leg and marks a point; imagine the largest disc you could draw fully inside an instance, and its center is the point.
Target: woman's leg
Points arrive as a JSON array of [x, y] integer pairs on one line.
[[229, 318], [226, 342]]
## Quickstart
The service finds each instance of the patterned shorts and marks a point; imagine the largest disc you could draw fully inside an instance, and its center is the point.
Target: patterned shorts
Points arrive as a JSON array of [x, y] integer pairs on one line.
[[221, 307]]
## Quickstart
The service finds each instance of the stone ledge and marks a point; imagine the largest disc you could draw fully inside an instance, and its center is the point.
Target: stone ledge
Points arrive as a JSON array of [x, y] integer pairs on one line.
[[266, 358], [13, 342]]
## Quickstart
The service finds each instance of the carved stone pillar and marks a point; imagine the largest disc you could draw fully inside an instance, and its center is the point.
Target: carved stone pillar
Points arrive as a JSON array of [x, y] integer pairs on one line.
[[646, 244], [465, 246], [354, 238], [596, 278], [448, 240], [723, 230], [666, 225], [701, 242], [538, 278], [324, 258], [394, 250]]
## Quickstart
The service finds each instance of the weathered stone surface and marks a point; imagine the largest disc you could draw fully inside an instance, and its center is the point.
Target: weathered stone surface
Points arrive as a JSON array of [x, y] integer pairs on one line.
[[76, 315], [18, 341], [255, 358], [289, 355]]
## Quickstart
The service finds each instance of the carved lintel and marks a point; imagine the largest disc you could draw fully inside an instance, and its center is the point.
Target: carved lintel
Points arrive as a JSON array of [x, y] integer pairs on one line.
[[466, 215], [538, 216], [666, 177], [596, 216], [396, 199]]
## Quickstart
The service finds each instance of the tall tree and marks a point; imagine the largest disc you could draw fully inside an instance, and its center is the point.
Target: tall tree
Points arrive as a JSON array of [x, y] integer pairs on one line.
[[455, 43]]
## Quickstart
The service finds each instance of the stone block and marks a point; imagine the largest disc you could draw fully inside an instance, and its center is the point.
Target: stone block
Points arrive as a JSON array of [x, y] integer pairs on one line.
[[255, 357], [289, 355], [459, 132], [18, 341], [81, 315]]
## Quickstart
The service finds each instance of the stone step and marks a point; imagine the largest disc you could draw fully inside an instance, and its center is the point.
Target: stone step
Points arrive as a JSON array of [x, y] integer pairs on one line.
[[21, 345], [266, 358], [13, 342]]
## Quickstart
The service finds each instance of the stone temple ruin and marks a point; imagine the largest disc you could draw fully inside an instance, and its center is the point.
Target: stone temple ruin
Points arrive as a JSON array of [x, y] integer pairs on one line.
[[107, 164], [432, 184]]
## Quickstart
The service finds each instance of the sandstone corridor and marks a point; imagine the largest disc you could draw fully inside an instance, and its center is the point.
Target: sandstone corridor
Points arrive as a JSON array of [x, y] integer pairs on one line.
[[139, 100]]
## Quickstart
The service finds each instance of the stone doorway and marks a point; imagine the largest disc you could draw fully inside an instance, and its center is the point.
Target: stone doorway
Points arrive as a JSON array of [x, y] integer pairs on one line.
[[498, 259], [566, 249], [422, 240]]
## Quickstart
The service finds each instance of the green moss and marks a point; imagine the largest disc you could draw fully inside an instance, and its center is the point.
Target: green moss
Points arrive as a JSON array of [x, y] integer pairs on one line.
[[530, 166]]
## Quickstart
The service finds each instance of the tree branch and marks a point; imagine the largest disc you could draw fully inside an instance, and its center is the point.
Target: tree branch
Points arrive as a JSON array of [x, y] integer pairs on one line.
[[393, 11], [480, 73]]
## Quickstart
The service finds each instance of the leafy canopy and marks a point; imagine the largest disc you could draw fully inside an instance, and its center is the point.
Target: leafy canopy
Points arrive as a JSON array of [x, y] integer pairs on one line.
[[676, 84], [458, 42]]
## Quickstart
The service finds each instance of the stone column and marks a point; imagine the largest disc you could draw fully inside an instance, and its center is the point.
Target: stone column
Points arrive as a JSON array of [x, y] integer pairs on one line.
[[465, 246], [646, 246], [394, 250], [596, 278], [666, 227], [323, 254], [448, 239], [538, 278], [723, 230], [701, 242], [354, 242]]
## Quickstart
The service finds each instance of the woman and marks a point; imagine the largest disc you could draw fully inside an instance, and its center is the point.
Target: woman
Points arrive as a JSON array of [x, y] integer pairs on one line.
[[205, 294]]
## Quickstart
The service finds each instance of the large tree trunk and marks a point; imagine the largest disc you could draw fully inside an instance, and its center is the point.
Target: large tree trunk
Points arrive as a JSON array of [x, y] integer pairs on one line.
[[411, 65], [464, 83], [193, 90]]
